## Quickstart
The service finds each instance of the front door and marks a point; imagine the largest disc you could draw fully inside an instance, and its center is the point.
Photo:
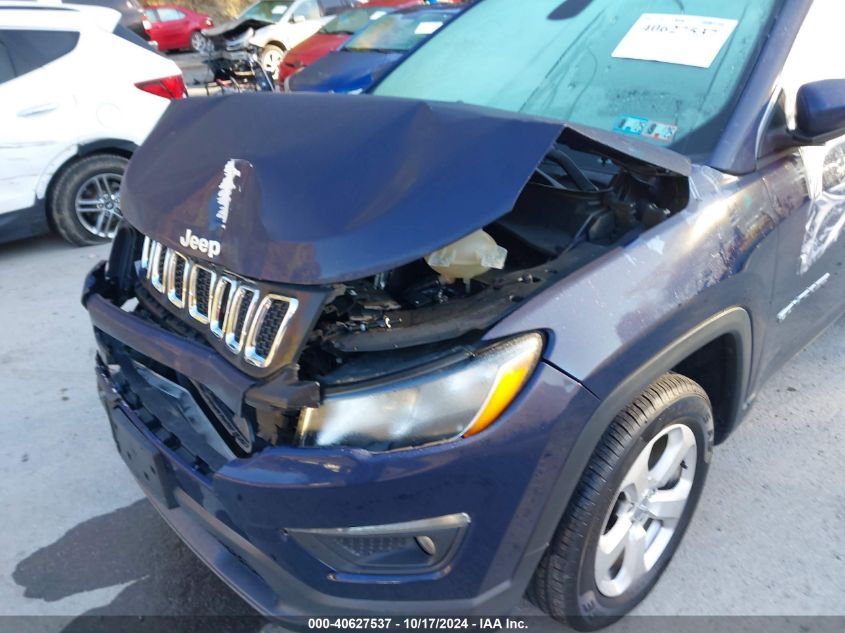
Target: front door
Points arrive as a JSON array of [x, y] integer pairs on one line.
[[809, 188]]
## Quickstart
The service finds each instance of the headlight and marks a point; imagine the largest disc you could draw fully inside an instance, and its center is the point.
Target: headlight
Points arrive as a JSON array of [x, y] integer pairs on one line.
[[459, 400]]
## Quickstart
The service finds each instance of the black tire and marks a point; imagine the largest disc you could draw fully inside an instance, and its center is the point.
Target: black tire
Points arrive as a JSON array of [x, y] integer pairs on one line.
[[564, 584], [62, 202]]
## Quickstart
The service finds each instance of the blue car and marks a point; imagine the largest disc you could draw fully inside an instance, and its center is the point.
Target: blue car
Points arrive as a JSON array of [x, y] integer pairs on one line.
[[371, 53], [476, 334]]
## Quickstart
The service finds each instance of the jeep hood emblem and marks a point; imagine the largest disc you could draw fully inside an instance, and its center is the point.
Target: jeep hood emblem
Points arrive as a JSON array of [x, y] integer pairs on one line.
[[200, 244]]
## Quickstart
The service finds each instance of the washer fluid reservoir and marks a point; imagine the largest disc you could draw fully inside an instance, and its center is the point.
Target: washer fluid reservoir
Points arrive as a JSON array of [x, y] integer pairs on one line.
[[468, 258]]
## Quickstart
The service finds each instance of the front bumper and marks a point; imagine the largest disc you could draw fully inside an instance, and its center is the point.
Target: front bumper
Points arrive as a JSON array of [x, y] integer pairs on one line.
[[237, 516]]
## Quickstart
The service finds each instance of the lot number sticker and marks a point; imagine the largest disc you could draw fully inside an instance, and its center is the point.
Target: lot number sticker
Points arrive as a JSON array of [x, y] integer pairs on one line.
[[689, 40]]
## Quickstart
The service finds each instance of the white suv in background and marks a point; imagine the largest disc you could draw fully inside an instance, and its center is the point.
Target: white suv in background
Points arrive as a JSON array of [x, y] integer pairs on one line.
[[301, 20], [78, 94]]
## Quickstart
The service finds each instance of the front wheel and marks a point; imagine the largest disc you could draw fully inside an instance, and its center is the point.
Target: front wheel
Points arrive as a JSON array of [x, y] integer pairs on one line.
[[199, 43], [271, 57], [631, 507]]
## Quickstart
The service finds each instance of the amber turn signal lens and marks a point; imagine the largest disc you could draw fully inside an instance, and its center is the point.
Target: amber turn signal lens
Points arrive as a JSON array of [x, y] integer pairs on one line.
[[508, 384]]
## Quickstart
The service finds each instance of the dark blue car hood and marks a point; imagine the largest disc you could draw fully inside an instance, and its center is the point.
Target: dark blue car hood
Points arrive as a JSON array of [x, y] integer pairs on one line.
[[344, 71], [312, 189]]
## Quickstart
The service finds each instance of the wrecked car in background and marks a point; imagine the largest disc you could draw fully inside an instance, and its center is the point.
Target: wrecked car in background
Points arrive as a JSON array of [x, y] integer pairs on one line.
[[292, 25], [335, 34], [410, 356]]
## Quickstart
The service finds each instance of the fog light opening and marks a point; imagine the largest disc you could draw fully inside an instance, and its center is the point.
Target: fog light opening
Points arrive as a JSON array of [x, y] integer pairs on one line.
[[417, 547]]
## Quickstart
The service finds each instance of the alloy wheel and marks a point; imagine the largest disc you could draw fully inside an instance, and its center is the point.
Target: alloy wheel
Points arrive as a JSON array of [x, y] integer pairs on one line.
[[270, 61], [198, 42], [649, 503], [97, 204]]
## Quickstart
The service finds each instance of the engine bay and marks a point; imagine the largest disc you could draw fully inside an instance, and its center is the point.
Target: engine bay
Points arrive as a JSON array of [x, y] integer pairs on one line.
[[576, 207]]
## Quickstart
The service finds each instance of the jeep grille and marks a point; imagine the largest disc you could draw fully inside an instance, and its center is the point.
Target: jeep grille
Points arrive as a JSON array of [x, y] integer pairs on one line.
[[236, 312]]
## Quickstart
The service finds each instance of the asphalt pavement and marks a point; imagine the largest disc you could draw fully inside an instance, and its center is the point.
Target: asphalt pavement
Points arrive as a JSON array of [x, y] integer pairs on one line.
[[78, 538]]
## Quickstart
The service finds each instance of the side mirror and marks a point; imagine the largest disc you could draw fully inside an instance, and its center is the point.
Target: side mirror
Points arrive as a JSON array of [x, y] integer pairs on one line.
[[298, 18], [820, 112]]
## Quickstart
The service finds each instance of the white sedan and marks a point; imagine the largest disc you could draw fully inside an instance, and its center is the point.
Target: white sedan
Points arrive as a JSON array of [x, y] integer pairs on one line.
[[296, 21], [78, 94]]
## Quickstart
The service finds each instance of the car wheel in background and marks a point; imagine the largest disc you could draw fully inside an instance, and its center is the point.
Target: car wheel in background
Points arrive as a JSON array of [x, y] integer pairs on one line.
[[199, 43], [85, 200], [631, 507], [271, 56]]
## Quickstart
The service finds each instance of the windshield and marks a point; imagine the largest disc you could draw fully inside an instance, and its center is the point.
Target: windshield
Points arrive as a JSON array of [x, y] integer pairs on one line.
[[398, 32], [668, 71], [271, 11], [352, 21]]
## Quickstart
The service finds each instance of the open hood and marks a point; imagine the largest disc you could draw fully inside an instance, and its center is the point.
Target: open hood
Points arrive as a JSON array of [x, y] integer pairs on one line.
[[312, 189], [235, 27]]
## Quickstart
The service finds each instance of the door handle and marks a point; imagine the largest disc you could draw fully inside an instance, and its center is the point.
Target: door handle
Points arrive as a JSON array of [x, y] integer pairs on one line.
[[42, 108]]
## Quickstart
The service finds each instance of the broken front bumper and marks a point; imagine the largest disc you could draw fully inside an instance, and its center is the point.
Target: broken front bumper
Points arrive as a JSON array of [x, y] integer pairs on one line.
[[244, 517]]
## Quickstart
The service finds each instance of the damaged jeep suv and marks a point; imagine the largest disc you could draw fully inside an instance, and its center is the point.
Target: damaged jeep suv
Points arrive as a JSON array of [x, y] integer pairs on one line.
[[394, 354]]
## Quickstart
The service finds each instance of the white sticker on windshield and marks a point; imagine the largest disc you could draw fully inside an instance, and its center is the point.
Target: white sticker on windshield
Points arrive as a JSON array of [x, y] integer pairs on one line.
[[279, 9], [427, 28], [689, 40], [378, 14]]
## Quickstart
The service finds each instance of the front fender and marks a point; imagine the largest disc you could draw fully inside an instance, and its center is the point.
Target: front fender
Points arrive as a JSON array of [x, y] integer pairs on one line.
[[734, 322], [636, 313], [267, 35]]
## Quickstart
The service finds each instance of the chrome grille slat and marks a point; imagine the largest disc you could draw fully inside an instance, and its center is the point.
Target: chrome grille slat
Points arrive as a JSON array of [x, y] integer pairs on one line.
[[250, 324], [178, 267], [145, 254], [268, 328], [201, 284], [238, 316], [159, 264], [223, 293]]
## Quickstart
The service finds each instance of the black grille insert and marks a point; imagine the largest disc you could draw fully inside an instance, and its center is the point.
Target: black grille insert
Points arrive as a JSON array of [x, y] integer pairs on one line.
[[270, 325], [161, 257], [203, 291], [223, 308], [243, 311], [179, 277]]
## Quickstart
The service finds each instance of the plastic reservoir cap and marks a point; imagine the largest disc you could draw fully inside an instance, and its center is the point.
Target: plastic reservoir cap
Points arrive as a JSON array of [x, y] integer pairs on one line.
[[469, 257]]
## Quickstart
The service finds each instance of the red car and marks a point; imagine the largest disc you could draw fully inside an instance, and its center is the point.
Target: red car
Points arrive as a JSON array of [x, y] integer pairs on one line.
[[334, 34], [173, 27]]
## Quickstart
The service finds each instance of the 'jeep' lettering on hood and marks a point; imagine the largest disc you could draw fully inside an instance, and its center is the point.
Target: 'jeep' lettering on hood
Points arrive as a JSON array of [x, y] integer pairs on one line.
[[200, 244]]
